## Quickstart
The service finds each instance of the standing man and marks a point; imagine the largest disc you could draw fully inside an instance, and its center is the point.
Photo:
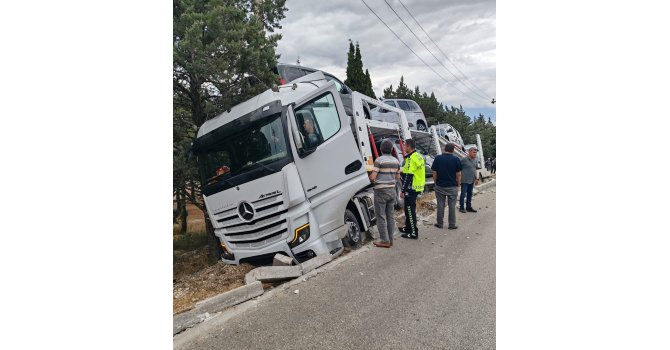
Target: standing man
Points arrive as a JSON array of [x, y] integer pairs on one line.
[[447, 176], [414, 171], [468, 180], [385, 173], [493, 166]]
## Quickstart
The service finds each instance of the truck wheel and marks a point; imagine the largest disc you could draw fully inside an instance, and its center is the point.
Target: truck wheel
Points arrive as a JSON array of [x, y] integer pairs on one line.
[[354, 237], [399, 202]]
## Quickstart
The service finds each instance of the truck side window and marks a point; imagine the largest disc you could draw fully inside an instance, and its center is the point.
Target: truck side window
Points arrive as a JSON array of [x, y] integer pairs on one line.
[[390, 103], [318, 120]]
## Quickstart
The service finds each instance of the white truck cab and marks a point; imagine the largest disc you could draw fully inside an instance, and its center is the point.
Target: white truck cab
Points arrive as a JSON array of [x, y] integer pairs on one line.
[[286, 172]]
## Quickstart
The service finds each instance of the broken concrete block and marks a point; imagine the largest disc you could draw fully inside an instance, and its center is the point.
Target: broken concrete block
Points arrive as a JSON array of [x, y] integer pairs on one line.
[[230, 298], [186, 320], [313, 263], [273, 273], [282, 260]]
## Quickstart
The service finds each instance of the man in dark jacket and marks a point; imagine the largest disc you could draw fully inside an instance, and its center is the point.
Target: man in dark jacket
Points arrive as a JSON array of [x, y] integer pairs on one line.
[[447, 176]]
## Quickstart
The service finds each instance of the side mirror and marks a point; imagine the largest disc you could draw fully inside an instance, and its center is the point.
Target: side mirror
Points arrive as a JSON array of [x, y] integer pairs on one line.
[[343, 90], [304, 152]]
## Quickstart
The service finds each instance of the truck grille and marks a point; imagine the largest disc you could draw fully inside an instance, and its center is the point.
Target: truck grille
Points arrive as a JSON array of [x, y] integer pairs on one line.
[[269, 224]]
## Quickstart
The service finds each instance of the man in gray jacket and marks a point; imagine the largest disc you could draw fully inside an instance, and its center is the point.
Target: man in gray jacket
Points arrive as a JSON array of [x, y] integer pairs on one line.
[[468, 180]]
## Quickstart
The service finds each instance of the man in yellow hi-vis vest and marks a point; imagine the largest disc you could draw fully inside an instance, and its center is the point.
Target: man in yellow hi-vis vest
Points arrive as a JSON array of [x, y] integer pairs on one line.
[[414, 179]]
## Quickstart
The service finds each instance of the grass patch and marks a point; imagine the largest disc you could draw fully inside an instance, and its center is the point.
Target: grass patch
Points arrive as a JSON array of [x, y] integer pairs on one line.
[[189, 241], [193, 226]]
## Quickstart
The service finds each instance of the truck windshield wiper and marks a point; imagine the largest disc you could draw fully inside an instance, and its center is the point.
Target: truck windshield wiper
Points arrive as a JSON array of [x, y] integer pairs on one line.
[[218, 178], [254, 166], [267, 167]]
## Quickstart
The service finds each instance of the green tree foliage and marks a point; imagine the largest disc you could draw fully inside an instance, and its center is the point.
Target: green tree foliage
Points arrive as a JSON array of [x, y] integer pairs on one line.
[[356, 79], [223, 54], [436, 112]]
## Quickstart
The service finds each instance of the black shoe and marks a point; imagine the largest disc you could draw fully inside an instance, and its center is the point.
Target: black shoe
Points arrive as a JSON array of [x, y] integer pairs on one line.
[[402, 229], [461, 210], [438, 226], [405, 235], [472, 210], [452, 227]]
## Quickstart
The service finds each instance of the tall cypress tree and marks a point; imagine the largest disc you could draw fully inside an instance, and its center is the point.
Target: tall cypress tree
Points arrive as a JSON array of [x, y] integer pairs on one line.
[[358, 80], [368, 84], [350, 65]]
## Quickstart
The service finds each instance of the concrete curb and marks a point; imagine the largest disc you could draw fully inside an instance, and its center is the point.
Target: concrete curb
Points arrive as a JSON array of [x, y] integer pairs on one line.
[[485, 185], [204, 309]]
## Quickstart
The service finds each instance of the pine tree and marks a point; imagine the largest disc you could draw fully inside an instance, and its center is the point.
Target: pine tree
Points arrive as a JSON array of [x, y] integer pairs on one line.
[[388, 93], [402, 91], [222, 55]]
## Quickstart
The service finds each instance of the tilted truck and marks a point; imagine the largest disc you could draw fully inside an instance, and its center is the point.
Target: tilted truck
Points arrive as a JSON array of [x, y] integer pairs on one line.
[[287, 171]]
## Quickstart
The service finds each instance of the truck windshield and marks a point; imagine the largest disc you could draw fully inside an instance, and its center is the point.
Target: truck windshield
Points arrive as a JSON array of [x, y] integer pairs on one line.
[[247, 153]]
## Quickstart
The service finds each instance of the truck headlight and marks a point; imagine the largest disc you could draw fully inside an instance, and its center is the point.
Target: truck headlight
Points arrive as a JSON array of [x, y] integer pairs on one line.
[[301, 235], [226, 253]]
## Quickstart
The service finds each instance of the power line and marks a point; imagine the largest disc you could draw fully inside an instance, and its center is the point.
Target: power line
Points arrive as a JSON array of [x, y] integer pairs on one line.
[[417, 56], [431, 53], [445, 55]]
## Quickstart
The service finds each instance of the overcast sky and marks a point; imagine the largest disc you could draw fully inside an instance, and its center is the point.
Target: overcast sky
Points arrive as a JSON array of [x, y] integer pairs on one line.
[[318, 32]]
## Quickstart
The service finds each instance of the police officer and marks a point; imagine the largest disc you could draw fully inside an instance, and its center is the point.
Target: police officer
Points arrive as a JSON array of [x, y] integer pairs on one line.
[[414, 179]]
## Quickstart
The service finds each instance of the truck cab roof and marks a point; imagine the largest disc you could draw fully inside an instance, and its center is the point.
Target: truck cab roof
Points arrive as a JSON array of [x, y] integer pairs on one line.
[[285, 95]]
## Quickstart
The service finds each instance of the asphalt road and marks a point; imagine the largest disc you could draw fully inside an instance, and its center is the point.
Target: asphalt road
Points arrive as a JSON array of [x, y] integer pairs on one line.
[[435, 293]]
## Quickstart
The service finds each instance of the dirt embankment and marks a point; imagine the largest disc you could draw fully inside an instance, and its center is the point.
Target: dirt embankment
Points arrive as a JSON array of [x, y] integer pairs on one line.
[[193, 277], [197, 280]]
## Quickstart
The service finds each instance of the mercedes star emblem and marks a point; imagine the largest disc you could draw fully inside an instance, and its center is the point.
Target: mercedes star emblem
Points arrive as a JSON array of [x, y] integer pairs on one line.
[[246, 211]]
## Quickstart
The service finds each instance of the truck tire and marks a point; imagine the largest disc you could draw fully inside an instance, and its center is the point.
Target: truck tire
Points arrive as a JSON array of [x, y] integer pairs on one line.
[[399, 202], [355, 236]]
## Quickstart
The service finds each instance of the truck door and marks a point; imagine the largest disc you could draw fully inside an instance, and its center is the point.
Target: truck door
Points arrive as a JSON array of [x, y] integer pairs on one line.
[[329, 155]]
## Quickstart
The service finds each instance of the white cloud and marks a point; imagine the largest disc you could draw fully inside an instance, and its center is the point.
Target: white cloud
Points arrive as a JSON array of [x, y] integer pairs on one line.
[[318, 32]]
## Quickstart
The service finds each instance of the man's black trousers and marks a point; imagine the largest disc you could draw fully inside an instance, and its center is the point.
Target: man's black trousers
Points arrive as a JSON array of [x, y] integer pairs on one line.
[[411, 227]]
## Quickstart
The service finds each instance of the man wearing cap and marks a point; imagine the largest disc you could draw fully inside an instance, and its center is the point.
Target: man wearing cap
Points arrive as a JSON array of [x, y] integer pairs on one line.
[[468, 180]]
